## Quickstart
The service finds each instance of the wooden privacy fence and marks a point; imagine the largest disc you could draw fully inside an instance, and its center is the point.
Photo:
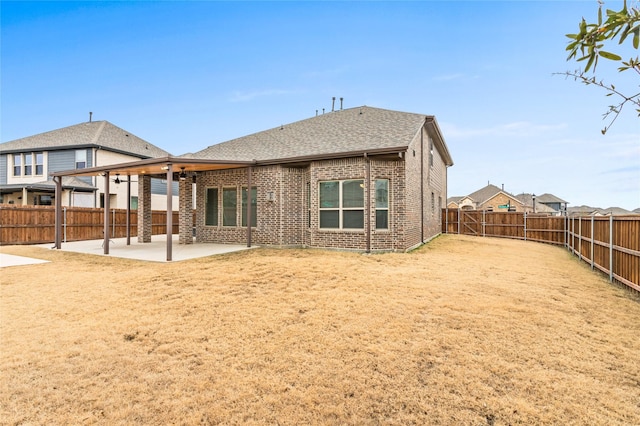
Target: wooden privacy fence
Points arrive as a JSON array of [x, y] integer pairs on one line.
[[36, 224], [608, 243]]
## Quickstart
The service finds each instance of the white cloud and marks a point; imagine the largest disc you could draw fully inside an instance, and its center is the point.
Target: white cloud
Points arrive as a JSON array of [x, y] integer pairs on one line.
[[518, 128]]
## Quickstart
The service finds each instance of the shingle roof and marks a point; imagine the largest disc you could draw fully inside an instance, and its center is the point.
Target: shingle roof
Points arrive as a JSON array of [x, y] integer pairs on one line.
[[549, 198], [89, 134], [483, 194], [351, 130], [68, 182], [527, 200]]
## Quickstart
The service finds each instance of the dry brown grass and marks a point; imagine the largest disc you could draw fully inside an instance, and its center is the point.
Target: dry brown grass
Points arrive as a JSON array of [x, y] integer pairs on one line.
[[465, 330]]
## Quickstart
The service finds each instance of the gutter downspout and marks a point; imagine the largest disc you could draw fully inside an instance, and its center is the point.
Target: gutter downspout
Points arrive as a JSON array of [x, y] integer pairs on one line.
[[248, 214], [96, 194], [422, 183], [367, 199]]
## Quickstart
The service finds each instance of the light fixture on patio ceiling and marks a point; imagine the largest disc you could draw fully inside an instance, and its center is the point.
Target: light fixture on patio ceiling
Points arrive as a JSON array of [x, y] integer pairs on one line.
[[117, 181], [183, 174]]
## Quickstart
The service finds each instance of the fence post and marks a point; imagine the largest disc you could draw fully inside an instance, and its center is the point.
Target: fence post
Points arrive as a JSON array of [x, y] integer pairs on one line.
[[525, 225], [611, 248], [458, 221], [64, 209], [483, 223], [446, 220], [592, 241], [580, 238]]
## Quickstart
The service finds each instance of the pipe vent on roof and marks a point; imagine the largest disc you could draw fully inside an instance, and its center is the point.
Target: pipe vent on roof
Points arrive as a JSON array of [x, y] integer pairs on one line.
[[90, 114]]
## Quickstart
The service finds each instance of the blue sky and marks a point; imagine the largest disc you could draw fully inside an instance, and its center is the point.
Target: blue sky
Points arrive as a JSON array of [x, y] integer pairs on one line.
[[186, 75]]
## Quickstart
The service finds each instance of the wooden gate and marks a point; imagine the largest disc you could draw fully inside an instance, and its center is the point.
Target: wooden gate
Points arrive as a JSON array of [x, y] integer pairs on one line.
[[471, 222]]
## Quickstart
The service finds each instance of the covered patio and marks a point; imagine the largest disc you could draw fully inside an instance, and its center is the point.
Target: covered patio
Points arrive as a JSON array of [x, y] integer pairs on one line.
[[154, 251], [181, 169]]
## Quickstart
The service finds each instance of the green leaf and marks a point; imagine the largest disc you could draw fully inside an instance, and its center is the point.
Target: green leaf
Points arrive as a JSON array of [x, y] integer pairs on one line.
[[590, 62], [609, 55], [600, 15], [636, 38]]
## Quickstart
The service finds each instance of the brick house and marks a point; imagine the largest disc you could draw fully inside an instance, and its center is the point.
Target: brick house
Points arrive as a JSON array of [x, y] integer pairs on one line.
[[363, 179], [489, 198]]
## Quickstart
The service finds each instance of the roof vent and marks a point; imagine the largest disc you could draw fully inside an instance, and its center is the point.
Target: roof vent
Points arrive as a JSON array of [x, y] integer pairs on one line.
[[341, 99], [333, 104], [90, 114]]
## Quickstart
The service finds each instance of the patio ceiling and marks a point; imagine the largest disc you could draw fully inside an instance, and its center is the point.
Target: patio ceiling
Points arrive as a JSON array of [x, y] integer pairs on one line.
[[156, 167]]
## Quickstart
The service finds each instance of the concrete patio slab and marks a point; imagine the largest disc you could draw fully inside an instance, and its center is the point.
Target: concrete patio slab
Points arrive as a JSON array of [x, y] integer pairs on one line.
[[155, 251], [12, 260]]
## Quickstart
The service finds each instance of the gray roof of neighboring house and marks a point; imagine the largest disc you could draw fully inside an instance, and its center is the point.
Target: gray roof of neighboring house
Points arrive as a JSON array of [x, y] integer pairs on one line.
[[455, 199], [90, 134], [588, 210], [489, 191], [549, 198], [527, 200], [68, 182], [359, 129]]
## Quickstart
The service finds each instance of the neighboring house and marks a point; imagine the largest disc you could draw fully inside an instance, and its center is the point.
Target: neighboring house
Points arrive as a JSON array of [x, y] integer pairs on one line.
[[492, 198], [26, 163], [597, 211], [534, 205], [362, 178], [557, 204], [489, 198], [454, 202]]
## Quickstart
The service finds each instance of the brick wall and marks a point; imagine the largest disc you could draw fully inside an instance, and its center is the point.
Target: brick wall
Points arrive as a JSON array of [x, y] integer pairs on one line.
[[144, 209], [283, 203]]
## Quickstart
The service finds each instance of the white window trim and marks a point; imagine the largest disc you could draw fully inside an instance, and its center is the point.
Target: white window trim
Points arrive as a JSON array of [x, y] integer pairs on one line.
[[23, 164]]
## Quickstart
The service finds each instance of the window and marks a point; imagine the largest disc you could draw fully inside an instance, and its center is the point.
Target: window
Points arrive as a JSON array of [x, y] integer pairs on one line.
[[382, 203], [342, 204], [44, 200], [17, 164], [308, 204], [81, 159], [211, 207], [254, 207], [28, 164], [430, 152], [134, 203], [229, 206], [433, 204], [39, 163]]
